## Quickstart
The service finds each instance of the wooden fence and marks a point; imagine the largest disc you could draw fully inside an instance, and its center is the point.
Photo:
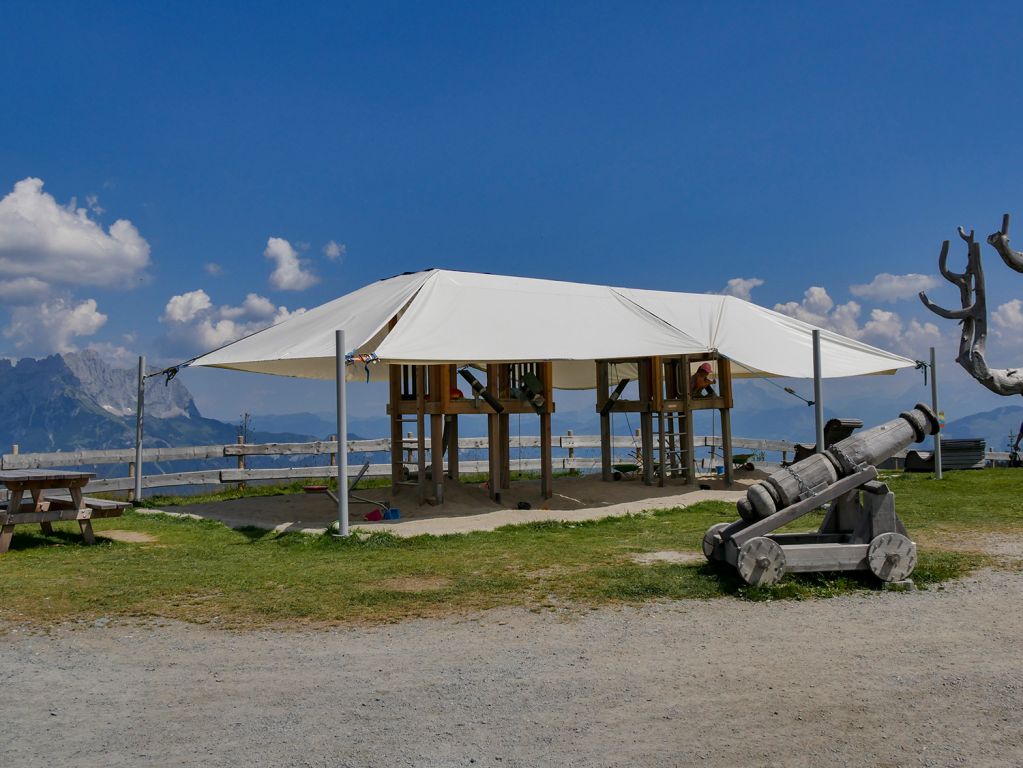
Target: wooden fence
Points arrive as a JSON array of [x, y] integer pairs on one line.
[[568, 443]]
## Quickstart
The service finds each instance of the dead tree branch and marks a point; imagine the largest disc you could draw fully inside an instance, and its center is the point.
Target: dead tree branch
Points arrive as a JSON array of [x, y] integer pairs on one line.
[[1000, 241], [973, 312]]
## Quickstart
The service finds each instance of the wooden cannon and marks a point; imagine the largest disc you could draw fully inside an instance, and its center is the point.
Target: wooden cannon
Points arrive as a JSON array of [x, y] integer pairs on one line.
[[860, 531]]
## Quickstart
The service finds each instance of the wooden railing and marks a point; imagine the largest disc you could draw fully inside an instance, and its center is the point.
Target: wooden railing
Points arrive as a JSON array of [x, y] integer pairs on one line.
[[568, 443]]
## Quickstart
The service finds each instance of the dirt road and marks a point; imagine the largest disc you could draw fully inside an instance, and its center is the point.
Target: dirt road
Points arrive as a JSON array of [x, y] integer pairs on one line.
[[920, 679]]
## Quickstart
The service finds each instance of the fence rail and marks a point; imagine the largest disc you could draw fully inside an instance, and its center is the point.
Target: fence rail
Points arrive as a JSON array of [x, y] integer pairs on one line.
[[239, 451]]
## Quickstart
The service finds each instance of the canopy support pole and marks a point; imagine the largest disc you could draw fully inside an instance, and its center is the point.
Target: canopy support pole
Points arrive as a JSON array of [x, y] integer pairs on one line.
[[342, 435], [934, 407], [818, 402], [139, 408]]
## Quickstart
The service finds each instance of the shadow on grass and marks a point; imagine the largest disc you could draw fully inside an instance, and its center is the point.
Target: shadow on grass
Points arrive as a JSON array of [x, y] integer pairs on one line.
[[23, 541]]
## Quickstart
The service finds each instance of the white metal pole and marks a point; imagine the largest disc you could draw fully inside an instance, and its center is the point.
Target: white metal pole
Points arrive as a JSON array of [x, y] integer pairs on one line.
[[934, 406], [139, 408], [818, 402], [342, 436]]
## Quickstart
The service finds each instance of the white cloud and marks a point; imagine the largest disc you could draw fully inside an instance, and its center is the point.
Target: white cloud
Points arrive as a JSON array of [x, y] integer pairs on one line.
[[742, 287], [1008, 318], [883, 328], [182, 308], [59, 245], [195, 325], [890, 288], [289, 274], [818, 308], [213, 269], [335, 251], [23, 290], [50, 326]]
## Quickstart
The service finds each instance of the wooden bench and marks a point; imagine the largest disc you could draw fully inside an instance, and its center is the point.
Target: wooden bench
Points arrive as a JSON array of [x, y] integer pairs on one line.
[[46, 506]]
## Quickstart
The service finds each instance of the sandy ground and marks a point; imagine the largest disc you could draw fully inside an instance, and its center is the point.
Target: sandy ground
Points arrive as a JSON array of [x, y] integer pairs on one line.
[[468, 507], [887, 679]]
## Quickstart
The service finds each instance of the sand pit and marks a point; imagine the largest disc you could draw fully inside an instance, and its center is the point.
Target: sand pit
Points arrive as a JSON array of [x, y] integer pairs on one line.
[[468, 507]]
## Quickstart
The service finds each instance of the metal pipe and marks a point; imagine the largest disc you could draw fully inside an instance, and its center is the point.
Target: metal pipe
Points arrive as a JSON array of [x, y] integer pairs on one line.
[[342, 435], [934, 407], [818, 402], [139, 407]]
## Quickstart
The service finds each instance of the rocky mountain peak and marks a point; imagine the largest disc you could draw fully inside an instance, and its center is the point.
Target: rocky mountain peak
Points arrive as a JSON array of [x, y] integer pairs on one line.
[[115, 389]]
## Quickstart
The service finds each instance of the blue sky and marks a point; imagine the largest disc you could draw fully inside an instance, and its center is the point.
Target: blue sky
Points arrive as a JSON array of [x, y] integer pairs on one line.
[[269, 157]]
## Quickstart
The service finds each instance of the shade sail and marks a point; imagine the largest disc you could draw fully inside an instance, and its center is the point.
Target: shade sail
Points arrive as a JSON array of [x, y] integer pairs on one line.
[[444, 316]]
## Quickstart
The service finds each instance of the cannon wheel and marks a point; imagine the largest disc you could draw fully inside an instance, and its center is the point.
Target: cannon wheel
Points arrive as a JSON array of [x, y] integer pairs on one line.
[[709, 543], [891, 556], [761, 562]]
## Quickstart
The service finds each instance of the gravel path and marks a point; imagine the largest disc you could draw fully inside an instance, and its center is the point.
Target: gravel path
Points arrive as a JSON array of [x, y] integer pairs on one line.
[[888, 679]]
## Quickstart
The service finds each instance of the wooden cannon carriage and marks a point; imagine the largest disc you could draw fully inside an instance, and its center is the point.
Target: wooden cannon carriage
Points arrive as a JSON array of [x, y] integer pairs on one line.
[[860, 531]]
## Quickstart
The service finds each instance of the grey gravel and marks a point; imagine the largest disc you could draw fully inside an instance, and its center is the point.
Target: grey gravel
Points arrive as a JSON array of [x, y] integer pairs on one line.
[[928, 678]]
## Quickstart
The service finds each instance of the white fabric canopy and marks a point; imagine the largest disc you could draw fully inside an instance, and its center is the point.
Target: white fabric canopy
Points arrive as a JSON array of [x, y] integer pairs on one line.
[[442, 316]]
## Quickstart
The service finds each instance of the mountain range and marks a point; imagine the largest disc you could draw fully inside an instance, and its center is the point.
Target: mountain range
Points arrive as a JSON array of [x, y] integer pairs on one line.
[[79, 401]]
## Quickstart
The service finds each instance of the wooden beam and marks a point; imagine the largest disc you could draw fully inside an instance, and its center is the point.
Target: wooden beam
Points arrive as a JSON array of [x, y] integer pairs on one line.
[[397, 467], [726, 443], [437, 455], [603, 382], [494, 453], [646, 430], [421, 431]]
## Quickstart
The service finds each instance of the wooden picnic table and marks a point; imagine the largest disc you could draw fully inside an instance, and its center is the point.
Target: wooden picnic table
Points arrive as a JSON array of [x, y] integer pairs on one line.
[[64, 502]]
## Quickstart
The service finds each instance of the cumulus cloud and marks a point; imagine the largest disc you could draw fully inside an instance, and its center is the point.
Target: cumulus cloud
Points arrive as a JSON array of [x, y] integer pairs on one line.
[[52, 325], [882, 328], [742, 287], [1008, 318], [186, 306], [818, 308], [55, 245], [289, 273], [195, 325], [23, 290], [891, 288], [213, 269], [334, 251]]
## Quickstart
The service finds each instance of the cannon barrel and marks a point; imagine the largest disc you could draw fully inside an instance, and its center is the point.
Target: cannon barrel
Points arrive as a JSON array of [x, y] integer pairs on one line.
[[806, 477]]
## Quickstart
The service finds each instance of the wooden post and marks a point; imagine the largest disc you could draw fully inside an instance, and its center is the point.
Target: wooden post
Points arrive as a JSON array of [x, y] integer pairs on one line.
[[437, 455], [15, 448], [571, 449], [725, 388], [504, 424], [333, 456], [726, 444], [453, 457], [646, 397], [647, 446], [410, 450], [131, 473], [452, 428], [546, 464], [394, 387], [421, 427], [494, 445], [660, 449], [605, 423], [440, 395], [241, 459]]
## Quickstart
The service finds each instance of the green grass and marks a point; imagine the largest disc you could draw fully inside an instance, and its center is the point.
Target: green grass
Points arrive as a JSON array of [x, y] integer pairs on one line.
[[200, 571]]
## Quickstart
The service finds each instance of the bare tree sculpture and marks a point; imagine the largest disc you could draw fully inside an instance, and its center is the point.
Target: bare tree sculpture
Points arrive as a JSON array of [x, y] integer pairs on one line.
[[973, 315]]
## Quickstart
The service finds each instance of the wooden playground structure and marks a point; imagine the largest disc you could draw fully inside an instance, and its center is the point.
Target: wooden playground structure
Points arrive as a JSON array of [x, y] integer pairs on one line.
[[665, 401]]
